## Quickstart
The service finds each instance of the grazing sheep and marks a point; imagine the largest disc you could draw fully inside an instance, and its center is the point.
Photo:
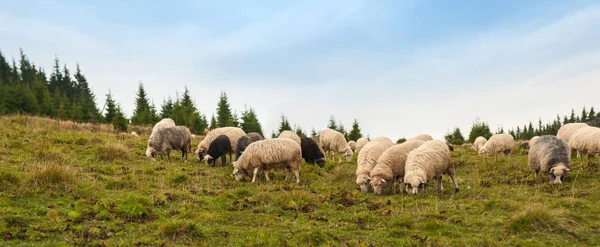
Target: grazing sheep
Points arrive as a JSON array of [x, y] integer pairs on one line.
[[586, 141], [218, 148], [166, 139], [498, 143], [244, 141], [550, 155], [352, 145], [360, 143], [233, 133], [594, 123], [478, 143], [566, 131], [290, 135], [134, 134], [390, 165], [524, 145], [421, 137], [333, 141], [367, 159], [427, 162], [311, 152], [268, 154], [164, 123]]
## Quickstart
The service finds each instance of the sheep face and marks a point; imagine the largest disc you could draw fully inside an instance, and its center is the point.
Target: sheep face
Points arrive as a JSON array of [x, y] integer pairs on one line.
[[414, 185], [377, 183], [200, 154], [363, 182], [237, 174], [557, 173], [321, 162], [348, 155], [150, 152], [209, 159]]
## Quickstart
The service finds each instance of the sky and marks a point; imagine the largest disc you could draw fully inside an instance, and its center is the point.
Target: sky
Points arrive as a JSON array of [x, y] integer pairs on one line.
[[401, 68]]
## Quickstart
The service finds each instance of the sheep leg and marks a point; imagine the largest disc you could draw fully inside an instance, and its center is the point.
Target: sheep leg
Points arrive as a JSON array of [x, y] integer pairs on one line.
[[267, 176], [440, 187], [537, 180], [169, 155], [254, 176], [183, 153], [297, 173], [451, 174], [288, 172]]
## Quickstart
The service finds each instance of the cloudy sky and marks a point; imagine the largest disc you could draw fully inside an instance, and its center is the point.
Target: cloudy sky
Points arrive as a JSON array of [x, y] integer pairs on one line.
[[400, 67]]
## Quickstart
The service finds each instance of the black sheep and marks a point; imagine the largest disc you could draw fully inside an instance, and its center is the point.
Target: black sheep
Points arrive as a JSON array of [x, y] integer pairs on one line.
[[218, 148], [311, 152], [244, 141]]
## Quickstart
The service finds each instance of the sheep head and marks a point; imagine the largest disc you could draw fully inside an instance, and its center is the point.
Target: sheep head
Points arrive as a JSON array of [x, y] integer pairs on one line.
[[414, 185], [377, 183], [363, 182], [150, 152], [557, 173], [348, 155]]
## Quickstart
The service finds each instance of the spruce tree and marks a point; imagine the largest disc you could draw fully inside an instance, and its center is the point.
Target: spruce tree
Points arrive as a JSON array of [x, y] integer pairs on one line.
[[572, 119], [479, 129], [592, 114], [332, 125], [283, 125], [342, 130], [119, 121], [111, 109], [235, 120], [249, 122], [300, 132], [224, 116], [455, 137], [166, 109], [213, 122], [355, 131], [142, 114], [401, 140], [584, 115], [313, 133], [86, 97]]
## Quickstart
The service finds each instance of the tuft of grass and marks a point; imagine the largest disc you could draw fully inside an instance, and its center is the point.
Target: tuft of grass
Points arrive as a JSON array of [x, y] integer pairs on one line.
[[9, 180], [110, 152], [52, 177], [537, 218], [181, 231]]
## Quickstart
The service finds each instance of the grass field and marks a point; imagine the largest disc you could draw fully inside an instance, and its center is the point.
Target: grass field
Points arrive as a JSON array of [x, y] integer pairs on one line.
[[63, 187]]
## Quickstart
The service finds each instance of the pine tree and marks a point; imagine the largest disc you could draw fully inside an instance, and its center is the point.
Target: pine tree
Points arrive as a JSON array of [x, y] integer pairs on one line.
[[572, 119], [213, 123], [355, 131], [592, 114], [235, 120], [224, 116], [119, 121], [143, 113], [313, 133], [86, 97], [300, 133], [565, 120], [249, 122], [342, 130], [111, 109], [584, 115], [166, 109], [479, 129], [455, 137], [332, 125], [401, 140], [284, 125]]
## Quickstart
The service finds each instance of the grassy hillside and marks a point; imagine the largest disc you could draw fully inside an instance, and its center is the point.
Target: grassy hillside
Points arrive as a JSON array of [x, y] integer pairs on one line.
[[65, 187]]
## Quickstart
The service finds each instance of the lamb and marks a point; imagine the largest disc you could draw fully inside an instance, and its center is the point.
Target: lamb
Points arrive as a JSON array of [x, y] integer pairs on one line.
[[311, 152], [367, 159], [360, 143], [218, 148], [352, 145], [390, 165], [177, 138], [550, 155], [478, 143], [290, 135], [333, 141], [566, 131], [421, 137], [498, 143], [586, 141], [427, 162], [233, 133], [267, 154], [164, 123], [244, 141]]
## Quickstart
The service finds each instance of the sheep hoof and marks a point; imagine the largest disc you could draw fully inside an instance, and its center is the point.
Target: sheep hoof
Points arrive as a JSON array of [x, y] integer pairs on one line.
[[456, 189]]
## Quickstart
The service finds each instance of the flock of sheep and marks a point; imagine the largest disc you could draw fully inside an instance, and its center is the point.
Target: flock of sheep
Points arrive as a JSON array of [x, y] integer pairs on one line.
[[380, 164]]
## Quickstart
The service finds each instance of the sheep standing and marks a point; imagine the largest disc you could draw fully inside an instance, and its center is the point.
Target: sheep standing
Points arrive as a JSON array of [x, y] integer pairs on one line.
[[550, 155], [566, 131], [311, 152], [268, 154], [164, 123], [244, 141], [586, 141], [498, 143], [478, 143], [290, 135], [421, 137], [390, 165], [360, 143], [233, 133], [218, 148], [427, 162], [352, 145], [367, 159], [333, 141], [167, 139]]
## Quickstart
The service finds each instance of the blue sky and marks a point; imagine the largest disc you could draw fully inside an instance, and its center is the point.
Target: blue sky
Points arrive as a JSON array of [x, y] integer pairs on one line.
[[400, 67]]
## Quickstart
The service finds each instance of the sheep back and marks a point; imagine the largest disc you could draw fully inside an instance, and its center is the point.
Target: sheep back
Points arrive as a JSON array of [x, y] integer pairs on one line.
[[566, 131], [219, 146], [421, 137], [352, 145], [367, 158], [332, 140], [290, 135], [547, 152], [233, 133], [478, 143], [586, 140], [311, 152], [426, 162], [360, 143], [270, 153], [498, 143], [393, 160], [244, 141]]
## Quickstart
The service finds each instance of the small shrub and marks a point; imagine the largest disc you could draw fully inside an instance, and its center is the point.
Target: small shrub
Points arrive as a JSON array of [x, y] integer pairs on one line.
[[112, 151]]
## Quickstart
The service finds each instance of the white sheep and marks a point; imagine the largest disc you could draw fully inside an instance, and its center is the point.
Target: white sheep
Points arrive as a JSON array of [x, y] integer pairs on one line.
[[134, 134], [586, 141], [352, 145], [367, 159], [566, 131], [532, 140], [290, 135], [162, 124], [498, 143], [390, 166], [421, 137], [478, 143], [427, 162], [233, 133], [167, 139], [269, 154], [551, 156], [360, 143], [333, 141]]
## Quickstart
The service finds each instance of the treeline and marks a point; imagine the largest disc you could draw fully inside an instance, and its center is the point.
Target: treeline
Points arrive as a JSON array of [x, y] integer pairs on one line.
[[27, 89]]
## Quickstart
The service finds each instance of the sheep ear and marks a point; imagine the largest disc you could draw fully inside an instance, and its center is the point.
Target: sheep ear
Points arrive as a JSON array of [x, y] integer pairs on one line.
[[422, 182]]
